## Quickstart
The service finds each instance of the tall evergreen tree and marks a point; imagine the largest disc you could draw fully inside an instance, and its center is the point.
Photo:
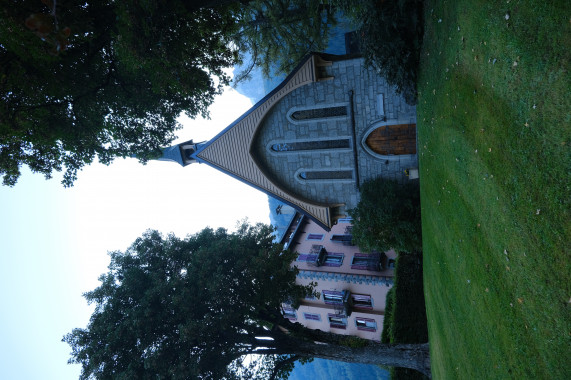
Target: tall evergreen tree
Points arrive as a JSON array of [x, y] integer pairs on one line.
[[279, 33], [196, 308]]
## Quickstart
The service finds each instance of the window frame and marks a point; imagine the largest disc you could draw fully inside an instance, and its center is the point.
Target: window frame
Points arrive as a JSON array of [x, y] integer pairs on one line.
[[289, 313], [300, 173], [358, 301], [336, 259], [312, 316], [271, 146], [366, 261], [340, 321], [365, 321], [293, 110], [333, 297], [309, 237]]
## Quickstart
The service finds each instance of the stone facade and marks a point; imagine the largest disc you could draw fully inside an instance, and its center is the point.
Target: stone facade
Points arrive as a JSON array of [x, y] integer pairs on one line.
[[305, 142], [370, 102]]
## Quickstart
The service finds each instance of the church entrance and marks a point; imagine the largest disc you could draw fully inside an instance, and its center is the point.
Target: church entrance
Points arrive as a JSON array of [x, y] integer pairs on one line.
[[393, 140]]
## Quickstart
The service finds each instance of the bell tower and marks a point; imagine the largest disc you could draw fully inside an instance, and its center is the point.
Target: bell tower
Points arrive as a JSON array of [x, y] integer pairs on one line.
[[182, 153]]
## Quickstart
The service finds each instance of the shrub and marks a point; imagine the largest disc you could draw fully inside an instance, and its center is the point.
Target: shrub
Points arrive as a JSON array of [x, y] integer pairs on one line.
[[388, 217], [388, 321], [405, 311], [353, 342]]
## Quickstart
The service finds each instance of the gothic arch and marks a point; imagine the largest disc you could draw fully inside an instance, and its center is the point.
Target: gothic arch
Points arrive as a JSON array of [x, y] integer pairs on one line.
[[390, 140]]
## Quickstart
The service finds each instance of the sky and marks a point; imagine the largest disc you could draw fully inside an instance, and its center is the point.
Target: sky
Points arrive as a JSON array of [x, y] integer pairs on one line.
[[54, 241]]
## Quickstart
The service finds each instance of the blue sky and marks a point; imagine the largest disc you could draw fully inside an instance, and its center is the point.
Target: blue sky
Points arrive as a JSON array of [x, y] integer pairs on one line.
[[55, 241]]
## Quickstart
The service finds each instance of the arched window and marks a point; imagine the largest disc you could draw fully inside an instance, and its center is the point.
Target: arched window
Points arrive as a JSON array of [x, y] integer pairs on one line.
[[311, 145], [299, 115], [325, 174], [319, 113]]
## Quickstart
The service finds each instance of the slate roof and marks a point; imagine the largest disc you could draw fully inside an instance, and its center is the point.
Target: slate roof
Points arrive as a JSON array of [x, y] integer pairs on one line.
[[231, 150]]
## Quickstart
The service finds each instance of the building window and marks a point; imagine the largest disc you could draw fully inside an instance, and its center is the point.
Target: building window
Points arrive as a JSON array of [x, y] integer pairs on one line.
[[318, 256], [345, 239], [292, 146], [307, 257], [366, 261], [312, 259], [365, 324], [312, 317], [333, 297], [314, 237], [391, 264], [289, 313], [318, 113], [333, 259], [309, 175], [361, 301], [337, 321]]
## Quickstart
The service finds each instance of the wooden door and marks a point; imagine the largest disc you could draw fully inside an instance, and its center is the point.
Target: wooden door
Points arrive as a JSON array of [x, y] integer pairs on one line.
[[393, 139]]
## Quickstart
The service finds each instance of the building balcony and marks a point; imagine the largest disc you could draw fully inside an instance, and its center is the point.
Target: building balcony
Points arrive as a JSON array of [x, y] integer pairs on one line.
[[316, 256]]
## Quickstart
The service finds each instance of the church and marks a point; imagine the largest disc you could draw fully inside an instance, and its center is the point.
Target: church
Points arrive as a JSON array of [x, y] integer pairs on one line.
[[332, 124]]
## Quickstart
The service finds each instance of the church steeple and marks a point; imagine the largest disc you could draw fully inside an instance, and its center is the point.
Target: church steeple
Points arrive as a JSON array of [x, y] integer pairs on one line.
[[182, 153]]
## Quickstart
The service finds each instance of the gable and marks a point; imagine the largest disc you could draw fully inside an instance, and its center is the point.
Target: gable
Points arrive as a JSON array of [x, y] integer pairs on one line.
[[231, 151]]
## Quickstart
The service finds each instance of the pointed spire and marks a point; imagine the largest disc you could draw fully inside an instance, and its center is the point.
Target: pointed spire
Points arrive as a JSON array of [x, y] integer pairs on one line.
[[182, 153]]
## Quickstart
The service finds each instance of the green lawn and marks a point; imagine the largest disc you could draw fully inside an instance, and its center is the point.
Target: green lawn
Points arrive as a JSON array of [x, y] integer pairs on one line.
[[494, 124]]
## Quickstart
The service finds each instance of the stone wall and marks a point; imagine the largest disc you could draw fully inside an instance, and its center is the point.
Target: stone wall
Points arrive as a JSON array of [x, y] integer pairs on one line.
[[351, 83]]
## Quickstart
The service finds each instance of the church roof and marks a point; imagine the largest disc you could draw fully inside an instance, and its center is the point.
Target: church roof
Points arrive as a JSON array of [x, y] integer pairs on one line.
[[172, 154], [231, 150]]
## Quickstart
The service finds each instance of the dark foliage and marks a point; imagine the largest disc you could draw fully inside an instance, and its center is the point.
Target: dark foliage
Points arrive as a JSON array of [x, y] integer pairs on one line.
[[184, 309], [390, 35], [388, 321], [100, 80], [405, 314], [388, 217], [278, 34], [409, 313], [105, 79], [197, 308]]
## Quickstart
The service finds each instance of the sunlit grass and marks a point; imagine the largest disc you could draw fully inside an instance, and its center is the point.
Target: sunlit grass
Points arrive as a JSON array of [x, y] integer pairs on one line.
[[494, 126]]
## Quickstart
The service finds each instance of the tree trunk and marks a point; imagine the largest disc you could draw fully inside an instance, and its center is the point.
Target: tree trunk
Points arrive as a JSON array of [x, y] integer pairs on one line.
[[296, 339], [414, 356]]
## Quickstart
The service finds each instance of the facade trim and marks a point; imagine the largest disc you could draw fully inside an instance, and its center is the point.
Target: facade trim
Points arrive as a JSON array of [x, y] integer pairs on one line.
[[298, 175], [382, 123], [346, 277], [314, 107], [314, 150]]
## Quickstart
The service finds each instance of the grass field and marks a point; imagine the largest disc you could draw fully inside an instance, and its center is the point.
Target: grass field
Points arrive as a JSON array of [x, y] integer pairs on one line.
[[494, 124]]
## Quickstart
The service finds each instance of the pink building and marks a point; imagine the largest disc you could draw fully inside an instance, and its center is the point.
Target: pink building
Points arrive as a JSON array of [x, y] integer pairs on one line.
[[352, 284]]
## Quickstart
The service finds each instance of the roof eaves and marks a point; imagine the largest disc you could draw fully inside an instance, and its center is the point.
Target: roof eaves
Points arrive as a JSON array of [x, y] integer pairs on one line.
[[255, 106], [297, 208]]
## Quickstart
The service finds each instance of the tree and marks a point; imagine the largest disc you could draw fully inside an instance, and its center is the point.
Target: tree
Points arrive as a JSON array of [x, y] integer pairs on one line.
[[280, 33], [84, 81], [105, 79], [388, 217], [390, 38], [194, 308]]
